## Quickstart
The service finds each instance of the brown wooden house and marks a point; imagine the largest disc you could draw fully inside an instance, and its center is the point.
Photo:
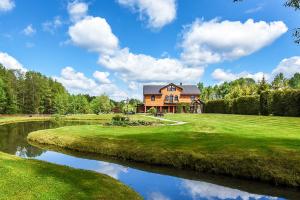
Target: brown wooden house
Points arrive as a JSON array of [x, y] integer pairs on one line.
[[168, 98]]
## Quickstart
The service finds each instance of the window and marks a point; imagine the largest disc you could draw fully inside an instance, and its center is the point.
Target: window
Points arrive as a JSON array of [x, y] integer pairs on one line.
[[152, 98], [171, 98], [192, 98], [176, 98], [171, 88], [167, 98]]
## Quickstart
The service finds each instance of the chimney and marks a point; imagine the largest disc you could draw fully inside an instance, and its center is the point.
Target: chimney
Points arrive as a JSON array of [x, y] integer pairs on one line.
[[180, 84]]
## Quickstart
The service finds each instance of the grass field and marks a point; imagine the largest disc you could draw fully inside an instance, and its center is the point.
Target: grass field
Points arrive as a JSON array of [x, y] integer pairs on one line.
[[254, 147], [31, 179]]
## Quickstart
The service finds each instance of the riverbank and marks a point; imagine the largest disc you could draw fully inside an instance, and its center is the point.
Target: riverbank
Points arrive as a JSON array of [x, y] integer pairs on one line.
[[252, 147], [32, 179]]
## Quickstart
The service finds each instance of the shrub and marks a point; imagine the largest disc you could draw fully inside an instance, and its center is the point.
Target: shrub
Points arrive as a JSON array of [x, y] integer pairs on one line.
[[286, 103], [152, 111], [246, 105], [216, 106], [265, 103], [119, 120]]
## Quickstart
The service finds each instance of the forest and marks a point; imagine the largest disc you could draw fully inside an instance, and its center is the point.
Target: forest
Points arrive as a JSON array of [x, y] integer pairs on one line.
[[33, 93]]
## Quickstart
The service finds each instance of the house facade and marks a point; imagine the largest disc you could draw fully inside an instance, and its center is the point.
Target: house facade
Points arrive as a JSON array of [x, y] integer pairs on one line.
[[168, 98]]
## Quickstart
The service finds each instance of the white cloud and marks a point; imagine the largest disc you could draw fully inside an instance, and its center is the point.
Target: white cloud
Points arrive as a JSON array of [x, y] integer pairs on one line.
[[222, 75], [77, 10], [29, 30], [198, 189], [6, 5], [94, 34], [206, 42], [51, 26], [10, 62], [112, 170], [102, 77], [288, 66], [143, 68], [158, 13], [78, 83]]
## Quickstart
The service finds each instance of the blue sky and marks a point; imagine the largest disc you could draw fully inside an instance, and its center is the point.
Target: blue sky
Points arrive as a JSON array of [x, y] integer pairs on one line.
[[116, 46]]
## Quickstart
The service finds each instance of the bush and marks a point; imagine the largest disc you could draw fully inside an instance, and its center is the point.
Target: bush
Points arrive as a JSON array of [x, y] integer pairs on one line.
[[265, 103], [246, 105], [152, 111], [119, 120], [218, 106], [286, 103]]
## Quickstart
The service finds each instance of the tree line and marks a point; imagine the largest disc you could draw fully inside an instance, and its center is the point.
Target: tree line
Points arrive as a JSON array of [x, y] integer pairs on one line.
[[34, 93], [247, 87]]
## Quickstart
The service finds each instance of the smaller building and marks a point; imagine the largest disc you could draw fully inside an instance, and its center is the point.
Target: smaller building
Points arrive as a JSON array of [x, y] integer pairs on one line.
[[171, 98]]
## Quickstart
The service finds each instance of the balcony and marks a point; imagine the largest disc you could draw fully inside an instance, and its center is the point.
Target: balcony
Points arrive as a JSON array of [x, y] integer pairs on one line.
[[170, 101]]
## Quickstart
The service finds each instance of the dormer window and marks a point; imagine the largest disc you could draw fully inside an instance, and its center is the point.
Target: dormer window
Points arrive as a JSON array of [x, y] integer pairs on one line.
[[152, 98], [171, 88]]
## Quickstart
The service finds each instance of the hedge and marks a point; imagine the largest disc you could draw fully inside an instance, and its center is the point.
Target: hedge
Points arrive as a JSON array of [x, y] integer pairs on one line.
[[279, 103], [247, 105]]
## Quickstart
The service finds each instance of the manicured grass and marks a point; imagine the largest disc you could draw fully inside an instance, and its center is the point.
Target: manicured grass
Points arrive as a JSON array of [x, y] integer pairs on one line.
[[255, 147], [25, 118], [31, 179]]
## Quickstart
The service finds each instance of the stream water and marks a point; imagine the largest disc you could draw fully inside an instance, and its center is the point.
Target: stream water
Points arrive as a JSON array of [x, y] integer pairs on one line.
[[153, 183]]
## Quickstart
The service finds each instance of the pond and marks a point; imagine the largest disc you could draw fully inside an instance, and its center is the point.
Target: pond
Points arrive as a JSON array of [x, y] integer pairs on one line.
[[153, 183]]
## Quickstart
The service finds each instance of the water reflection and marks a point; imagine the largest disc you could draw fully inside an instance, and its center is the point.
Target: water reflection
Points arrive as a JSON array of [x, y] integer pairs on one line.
[[203, 190], [153, 183]]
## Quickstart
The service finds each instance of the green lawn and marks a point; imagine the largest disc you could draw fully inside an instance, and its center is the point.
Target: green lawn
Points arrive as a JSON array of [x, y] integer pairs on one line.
[[22, 118], [31, 179], [255, 147]]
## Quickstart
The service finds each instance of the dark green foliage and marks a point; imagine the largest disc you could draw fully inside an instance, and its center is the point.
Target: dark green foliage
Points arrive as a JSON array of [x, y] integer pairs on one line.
[[247, 105], [294, 82], [276, 102], [265, 101], [286, 103], [183, 107]]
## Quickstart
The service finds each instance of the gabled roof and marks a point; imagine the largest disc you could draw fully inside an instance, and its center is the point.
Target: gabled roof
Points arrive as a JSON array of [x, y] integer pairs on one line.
[[155, 89]]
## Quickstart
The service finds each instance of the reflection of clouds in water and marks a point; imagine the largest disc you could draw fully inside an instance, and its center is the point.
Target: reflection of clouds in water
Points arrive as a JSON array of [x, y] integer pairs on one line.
[[157, 196], [197, 189], [112, 170]]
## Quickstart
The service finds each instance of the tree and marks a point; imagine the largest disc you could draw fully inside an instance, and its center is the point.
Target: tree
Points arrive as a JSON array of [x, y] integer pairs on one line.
[[279, 82], [263, 85], [2, 97], [101, 104], [294, 82]]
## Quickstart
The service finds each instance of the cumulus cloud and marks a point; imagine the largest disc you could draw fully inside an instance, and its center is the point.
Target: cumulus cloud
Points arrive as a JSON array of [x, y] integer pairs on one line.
[[78, 83], [102, 77], [94, 34], [143, 68], [157, 13], [206, 42], [29, 30], [6, 5], [77, 10], [10, 62], [288, 66], [221, 75], [51, 26]]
